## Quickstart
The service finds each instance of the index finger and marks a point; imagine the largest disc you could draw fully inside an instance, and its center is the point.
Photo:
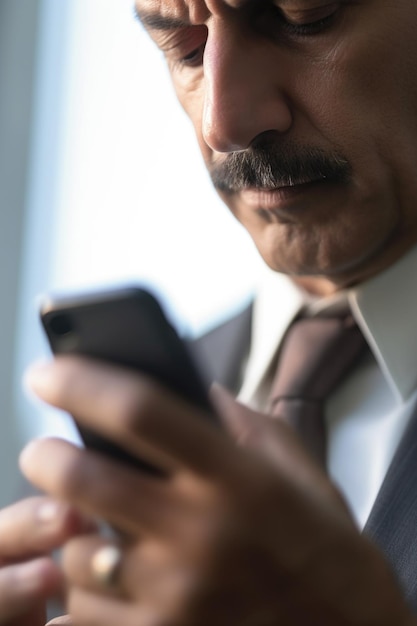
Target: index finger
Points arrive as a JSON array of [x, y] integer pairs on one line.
[[37, 525], [137, 413]]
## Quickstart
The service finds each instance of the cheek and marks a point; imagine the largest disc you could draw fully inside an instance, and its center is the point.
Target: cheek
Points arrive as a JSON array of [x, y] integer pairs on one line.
[[370, 87], [335, 238], [362, 100], [342, 251], [191, 98]]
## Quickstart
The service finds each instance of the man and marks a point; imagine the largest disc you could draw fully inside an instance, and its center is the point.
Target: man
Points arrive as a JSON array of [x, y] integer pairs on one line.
[[305, 112]]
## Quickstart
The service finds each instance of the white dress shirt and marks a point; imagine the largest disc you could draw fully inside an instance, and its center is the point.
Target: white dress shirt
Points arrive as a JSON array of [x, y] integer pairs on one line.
[[368, 413]]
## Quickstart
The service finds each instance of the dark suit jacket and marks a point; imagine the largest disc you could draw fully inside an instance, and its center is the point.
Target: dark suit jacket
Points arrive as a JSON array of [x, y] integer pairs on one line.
[[392, 524]]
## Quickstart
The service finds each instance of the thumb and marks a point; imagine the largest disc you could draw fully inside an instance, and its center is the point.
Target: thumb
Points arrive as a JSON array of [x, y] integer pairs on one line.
[[235, 417], [277, 443], [272, 438], [250, 428]]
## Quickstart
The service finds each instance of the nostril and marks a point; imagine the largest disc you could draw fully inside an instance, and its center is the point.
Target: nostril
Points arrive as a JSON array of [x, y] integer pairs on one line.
[[266, 139]]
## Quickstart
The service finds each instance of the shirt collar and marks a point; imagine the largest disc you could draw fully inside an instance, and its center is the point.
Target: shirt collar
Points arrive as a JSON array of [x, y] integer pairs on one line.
[[384, 307], [278, 300]]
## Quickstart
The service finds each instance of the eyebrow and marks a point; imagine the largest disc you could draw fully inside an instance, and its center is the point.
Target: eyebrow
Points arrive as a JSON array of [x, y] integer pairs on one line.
[[155, 21]]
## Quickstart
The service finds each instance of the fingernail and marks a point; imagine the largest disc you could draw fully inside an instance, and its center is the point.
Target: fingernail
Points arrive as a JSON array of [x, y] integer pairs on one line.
[[37, 375], [220, 396], [49, 511], [217, 388], [57, 513], [28, 453]]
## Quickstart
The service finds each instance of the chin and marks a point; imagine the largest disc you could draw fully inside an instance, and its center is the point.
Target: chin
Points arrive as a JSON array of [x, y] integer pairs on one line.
[[342, 270], [345, 252]]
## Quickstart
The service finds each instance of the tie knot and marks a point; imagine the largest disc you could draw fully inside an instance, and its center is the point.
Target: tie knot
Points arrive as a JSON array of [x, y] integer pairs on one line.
[[315, 354]]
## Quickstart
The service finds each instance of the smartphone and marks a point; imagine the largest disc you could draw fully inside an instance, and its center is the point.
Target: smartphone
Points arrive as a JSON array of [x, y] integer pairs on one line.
[[126, 326]]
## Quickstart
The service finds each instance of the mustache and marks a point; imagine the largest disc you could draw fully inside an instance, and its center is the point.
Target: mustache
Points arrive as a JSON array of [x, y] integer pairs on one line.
[[269, 166]]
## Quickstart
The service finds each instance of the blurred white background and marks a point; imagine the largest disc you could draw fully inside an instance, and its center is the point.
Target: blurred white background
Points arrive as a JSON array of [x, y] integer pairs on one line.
[[101, 182]]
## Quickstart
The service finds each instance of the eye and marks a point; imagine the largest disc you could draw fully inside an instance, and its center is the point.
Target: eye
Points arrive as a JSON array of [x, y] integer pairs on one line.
[[185, 47], [193, 58], [299, 22], [316, 22]]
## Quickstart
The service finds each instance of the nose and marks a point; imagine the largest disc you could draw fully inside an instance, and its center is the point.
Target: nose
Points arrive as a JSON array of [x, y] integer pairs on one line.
[[244, 93]]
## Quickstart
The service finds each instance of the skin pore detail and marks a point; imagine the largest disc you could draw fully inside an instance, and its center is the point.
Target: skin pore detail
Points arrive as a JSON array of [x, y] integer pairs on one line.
[[274, 109], [306, 34]]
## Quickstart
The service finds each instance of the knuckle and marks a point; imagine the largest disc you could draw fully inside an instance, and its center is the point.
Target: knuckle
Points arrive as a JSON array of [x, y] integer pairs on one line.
[[71, 477], [19, 527], [138, 407]]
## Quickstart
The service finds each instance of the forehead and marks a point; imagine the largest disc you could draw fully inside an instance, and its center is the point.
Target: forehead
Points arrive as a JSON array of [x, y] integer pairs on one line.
[[177, 9], [167, 14], [197, 10], [180, 6]]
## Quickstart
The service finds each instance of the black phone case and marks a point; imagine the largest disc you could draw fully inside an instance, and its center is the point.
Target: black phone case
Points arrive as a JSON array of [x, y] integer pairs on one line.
[[126, 327]]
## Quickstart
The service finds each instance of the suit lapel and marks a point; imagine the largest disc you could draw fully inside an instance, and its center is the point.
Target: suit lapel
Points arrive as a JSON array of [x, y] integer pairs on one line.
[[222, 351], [392, 524]]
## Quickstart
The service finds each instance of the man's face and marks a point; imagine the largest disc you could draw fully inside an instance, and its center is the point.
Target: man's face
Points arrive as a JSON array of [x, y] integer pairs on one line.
[[306, 115]]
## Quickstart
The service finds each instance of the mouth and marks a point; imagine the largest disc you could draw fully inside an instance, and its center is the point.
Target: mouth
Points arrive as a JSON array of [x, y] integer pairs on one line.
[[282, 202], [270, 197]]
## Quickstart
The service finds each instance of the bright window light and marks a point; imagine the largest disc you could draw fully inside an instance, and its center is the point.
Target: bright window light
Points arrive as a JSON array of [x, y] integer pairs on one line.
[[132, 201]]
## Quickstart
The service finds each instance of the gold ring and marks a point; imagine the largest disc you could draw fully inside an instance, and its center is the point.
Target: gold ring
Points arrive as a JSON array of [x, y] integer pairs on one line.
[[105, 565]]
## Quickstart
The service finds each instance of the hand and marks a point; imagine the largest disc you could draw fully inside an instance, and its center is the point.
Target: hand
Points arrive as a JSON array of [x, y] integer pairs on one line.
[[29, 531], [245, 535]]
